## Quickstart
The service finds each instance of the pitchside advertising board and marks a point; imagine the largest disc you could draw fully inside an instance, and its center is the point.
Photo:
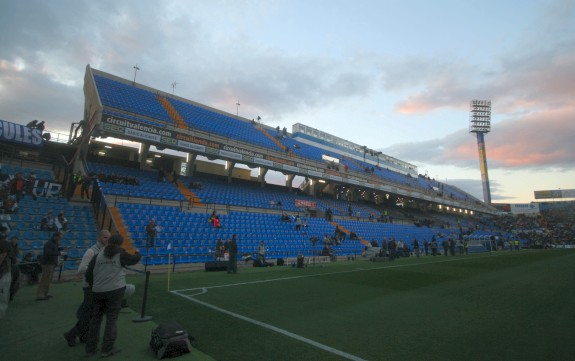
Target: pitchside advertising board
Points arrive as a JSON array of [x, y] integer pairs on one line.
[[517, 208], [555, 193], [16, 133], [524, 208], [187, 143]]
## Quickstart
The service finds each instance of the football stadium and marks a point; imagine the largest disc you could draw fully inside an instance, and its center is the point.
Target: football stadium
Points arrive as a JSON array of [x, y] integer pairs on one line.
[[355, 256]]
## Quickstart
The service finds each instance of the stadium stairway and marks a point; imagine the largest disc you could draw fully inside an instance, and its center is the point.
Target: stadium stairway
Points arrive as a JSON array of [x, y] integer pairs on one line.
[[172, 112], [277, 142], [186, 192], [121, 228], [355, 162], [347, 231]]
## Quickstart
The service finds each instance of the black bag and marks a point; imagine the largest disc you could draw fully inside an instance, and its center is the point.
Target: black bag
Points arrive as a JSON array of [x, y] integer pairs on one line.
[[170, 340]]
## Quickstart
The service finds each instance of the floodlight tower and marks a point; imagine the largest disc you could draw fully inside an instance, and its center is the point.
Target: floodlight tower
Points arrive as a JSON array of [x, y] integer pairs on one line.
[[480, 123]]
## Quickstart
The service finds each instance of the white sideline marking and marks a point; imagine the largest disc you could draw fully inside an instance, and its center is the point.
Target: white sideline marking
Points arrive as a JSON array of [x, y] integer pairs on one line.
[[329, 273], [270, 327]]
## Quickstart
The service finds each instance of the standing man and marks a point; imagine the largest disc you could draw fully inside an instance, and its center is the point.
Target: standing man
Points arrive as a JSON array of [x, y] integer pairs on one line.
[[151, 233], [13, 254], [416, 247], [86, 183], [175, 177], [452, 246], [384, 247], [233, 255], [80, 329], [48, 262], [297, 223], [433, 246], [262, 253], [5, 276], [445, 245], [392, 247], [107, 277], [17, 186]]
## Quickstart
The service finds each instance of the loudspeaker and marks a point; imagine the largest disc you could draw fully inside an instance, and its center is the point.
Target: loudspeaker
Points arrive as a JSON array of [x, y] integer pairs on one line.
[[216, 266]]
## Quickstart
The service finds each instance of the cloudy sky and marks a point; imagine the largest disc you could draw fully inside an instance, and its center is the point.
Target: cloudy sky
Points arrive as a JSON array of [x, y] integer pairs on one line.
[[394, 75]]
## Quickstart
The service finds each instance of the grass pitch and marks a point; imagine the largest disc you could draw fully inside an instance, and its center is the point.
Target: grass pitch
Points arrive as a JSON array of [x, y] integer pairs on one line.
[[504, 306]]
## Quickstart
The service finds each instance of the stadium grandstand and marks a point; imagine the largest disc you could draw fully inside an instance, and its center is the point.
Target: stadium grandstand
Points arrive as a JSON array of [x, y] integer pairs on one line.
[[344, 186]]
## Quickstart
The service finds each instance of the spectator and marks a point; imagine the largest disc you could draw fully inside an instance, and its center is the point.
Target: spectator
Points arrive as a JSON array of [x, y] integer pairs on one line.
[[107, 277], [73, 181], [61, 222], [47, 223], [10, 205], [175, 177], [5, 276], [17, 186], [31, 268], [41, 126], [452, 246], [220, 249], [212, 216], [13, 254], [86, 183], [151, 230], [392, 249], [329, 215], [416, 247], [383, 250], [49, 261], [297, 223], [233, 255], [161, 175], [30, 182], [216, 222], [445, 245], [433, 246], [83, 314], [262, 253], [33, 124]]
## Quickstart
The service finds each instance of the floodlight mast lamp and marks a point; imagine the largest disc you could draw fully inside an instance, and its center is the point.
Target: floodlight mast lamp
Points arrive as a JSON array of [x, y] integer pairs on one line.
[[480, 123], [135, 67]]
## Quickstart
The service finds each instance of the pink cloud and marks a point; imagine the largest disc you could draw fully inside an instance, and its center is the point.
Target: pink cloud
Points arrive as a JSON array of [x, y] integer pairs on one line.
[[536, 81]]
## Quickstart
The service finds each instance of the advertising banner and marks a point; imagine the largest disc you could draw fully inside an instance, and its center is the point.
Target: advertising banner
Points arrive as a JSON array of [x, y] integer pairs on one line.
[[547, 194], [305, 203], [16, 133]]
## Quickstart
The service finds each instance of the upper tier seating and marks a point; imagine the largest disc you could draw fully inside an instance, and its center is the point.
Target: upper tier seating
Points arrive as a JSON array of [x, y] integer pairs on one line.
[[212, 122], [130, 98]]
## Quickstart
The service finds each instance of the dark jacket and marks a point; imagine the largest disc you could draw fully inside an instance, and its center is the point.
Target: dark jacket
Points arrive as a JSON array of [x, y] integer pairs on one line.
[[51, 252]]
